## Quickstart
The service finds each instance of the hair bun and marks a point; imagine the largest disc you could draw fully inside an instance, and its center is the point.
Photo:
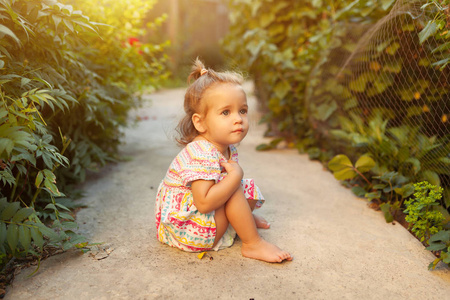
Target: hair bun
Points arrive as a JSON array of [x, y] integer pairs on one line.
[[198, 69]]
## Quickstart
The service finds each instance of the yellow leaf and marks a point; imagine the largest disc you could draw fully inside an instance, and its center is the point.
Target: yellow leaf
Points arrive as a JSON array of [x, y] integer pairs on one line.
[[200, 256], [417, 95], [425, 108], [374, 65], [444, 118]]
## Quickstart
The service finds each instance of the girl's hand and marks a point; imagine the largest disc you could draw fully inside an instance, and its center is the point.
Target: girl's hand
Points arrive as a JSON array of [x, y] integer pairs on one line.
[[233, 168]]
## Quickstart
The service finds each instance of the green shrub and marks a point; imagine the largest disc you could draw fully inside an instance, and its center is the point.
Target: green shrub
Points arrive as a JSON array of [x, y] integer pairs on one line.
[[66, 84], [350, 80], [423, 219]]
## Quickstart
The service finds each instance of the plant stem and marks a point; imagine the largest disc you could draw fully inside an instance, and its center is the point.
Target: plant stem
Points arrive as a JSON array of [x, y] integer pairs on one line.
[[15, 186], [360, 174]]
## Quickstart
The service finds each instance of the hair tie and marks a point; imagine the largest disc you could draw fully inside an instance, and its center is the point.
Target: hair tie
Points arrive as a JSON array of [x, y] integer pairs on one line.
[[203, 72]]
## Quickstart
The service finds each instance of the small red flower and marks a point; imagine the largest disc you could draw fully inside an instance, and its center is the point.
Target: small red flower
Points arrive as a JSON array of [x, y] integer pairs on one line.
[[133, 40]]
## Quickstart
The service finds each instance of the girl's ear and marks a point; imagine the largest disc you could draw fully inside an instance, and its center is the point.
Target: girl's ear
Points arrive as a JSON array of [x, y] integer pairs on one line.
[[197, 120]]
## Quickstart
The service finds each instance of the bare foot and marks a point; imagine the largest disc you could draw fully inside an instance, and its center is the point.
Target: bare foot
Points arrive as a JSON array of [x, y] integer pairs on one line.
[[265, 251], [261, 222]]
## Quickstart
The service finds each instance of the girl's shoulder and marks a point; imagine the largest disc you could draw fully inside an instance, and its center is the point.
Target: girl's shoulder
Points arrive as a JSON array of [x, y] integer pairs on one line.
[[201, 149]]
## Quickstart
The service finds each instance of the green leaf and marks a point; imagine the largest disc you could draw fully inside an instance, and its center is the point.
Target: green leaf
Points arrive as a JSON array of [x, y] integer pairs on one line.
[[10, 211], [49, 175], [263, 147], [24, 81], [359, 191], [56, 20], [51, 187], [39, 178], [386, 209], [25, 237], [392, 49], [48, 232], [266, 19], [37, 237], [444, 62], [433, 264], [359, 84], [62, 206], [6, 145], [345, 174], [393, 66], [325, 110], [429, 30], [6, 31], [50, 206], [431, 177], [387, 177], [340, 162], [22, 214], [436, 247], [385, 4], [12, 236], [441, 236], [69, 225], [416, 165], [2, 233], [373, 195], [364, 164], [282, 88], [65, 216], [405, 191]]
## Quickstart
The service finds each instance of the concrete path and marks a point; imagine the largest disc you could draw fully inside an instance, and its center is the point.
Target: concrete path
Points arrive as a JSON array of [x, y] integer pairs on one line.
[[342, 249]]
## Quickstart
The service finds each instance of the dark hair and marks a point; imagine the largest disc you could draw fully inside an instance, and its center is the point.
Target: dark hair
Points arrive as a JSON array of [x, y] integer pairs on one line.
[[203, 80]]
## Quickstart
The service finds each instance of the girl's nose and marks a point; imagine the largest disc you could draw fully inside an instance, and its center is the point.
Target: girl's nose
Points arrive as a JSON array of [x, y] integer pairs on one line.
[[238, 119]]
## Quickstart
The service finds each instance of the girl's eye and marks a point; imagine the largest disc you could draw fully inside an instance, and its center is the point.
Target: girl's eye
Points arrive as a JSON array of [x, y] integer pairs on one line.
[[243, 111], [226, 112]]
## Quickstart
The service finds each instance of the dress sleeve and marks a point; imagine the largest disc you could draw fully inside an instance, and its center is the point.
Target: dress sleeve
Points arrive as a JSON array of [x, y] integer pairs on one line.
[[198, 161]]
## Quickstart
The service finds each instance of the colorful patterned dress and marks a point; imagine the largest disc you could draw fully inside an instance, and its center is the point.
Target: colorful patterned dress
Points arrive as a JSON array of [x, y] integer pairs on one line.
[[178, 222]]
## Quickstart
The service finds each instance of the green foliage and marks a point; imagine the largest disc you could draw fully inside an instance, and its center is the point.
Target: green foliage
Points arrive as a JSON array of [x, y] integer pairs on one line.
[[66, 85], [333, 80], [424, 220], [440, 242], [363, 79], [343, 169], [405, 149], [437, 28]]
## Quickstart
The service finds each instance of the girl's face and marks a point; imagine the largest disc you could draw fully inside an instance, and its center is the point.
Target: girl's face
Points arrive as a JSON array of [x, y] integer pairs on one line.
[[225, 119]]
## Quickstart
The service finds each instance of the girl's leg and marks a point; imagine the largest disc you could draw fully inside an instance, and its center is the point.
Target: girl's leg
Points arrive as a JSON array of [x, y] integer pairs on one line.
[[221, 224], [259, 221], [238, 213]]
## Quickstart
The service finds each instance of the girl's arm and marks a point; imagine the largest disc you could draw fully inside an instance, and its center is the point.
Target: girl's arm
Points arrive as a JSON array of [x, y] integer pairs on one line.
[[209, 196]]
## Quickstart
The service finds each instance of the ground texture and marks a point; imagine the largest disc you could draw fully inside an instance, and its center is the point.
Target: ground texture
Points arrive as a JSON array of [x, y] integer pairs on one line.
[[342, 249]]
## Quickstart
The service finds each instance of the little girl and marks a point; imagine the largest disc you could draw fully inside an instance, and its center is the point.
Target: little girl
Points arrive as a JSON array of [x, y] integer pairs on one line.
[[203, 191]]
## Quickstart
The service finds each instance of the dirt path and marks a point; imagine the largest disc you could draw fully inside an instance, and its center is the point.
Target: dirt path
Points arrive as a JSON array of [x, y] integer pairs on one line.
[[342, 249]]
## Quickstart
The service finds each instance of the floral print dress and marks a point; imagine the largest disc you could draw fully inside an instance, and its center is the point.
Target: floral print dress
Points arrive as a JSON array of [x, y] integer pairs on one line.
[[178, 222]]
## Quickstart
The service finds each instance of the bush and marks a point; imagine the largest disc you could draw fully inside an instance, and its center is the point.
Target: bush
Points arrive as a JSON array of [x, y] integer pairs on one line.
[[64, 98], [354, 80], [423, 219]]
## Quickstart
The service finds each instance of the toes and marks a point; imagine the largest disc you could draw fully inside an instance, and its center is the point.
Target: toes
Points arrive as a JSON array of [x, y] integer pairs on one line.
[[287, 256]]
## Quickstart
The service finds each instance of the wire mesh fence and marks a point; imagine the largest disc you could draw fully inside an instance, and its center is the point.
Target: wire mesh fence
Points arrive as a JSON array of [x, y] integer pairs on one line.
[[384, 90]]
